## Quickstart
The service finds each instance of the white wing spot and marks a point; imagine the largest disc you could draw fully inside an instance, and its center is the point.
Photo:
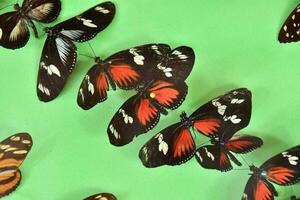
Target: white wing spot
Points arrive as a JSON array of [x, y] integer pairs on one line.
[[1, 33], [210, 155], [114, 132], [293, 160], [221, 108], [87, 22], [51, 69], [163, 146], [91, 87], [166, 70], [232, 118], [43, 89], [127, 118], [138, 59], [102, 10], [179, 54]]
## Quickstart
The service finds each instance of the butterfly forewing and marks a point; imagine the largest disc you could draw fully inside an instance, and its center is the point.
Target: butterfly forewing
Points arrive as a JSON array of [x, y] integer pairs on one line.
[[213, 157], [172, 146], [102, 196], [88, 24], [290, 30], [284, 168], [174, 66], [42, 10], [13, 151], [14, 33], [57, 62]]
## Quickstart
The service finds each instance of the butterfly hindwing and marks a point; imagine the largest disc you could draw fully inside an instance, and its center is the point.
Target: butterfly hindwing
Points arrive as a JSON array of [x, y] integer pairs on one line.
[[57, 63], [44, 11], [89, 23], [172, 146], [102, 196], [243, 143], [13, 151], [284, 168], [290, 30], [14, 33]]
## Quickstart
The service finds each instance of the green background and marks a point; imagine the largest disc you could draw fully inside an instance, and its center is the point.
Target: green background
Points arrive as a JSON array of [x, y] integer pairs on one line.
[[236, 46]]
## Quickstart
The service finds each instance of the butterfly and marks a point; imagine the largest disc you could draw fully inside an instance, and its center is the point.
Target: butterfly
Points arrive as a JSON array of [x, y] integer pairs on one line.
[[59, 53], [218, 119], [124, 69], [282, 169], [290, 31], [102, 196], [162, 88], [14, 32], [13, 151]]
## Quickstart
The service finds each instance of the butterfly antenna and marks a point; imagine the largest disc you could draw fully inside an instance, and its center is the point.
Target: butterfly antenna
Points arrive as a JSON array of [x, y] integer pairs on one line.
[[92, 49], [243, 169], [245, 160], [7, 6], [85, 55]]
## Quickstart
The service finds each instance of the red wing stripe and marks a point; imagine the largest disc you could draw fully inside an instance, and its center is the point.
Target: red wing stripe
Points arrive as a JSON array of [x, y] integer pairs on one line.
[[183, 144], [207, 126], [280, 175], [262, 192], [124, 74], [145, 111], [102, 84], [239, 145]]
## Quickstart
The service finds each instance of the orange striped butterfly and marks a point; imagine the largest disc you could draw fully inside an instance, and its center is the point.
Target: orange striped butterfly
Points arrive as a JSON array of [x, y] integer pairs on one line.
[[13, 151], [101, 196]]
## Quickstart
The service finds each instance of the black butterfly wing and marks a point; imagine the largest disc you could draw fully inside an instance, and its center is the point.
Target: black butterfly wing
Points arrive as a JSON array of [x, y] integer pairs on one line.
[[173, 145], [284, 168], [57, 62], [93, 88], [259, 189], [14, 33], [129, 66], [243, 143], [213, 157], [44, 11], [224, 115], [174, 66], [125, 124], [88, 24], [141, 113], [13, 151], [102, 196], [290, 30]]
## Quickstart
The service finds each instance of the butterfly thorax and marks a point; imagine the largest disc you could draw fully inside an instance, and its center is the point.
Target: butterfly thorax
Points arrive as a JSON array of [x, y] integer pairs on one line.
[[52, 32], [185, 120], [104, 67], [20, 11], [258, 172]]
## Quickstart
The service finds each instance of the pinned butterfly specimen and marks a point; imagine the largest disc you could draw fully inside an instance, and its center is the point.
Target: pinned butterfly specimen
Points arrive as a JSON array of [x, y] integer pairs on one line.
[[290, 31], [219, 119], [124, 69], [102, 196], [162, 88], [13, 151], [14, 32], [59, 53], [282, 169]]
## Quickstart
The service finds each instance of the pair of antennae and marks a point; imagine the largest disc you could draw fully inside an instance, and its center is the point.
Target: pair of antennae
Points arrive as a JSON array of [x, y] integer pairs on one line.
[[93, 52]]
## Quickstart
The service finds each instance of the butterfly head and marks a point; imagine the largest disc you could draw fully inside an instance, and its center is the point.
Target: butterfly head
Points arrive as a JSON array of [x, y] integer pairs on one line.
[[185, 120], [50, 31], [258, 172], [98, 60], [17, 7]]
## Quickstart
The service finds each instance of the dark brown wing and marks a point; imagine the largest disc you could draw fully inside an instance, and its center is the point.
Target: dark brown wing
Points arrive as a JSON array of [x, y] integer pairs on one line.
[[42, 10], [13, 151], [102, 196], [14, 33]]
